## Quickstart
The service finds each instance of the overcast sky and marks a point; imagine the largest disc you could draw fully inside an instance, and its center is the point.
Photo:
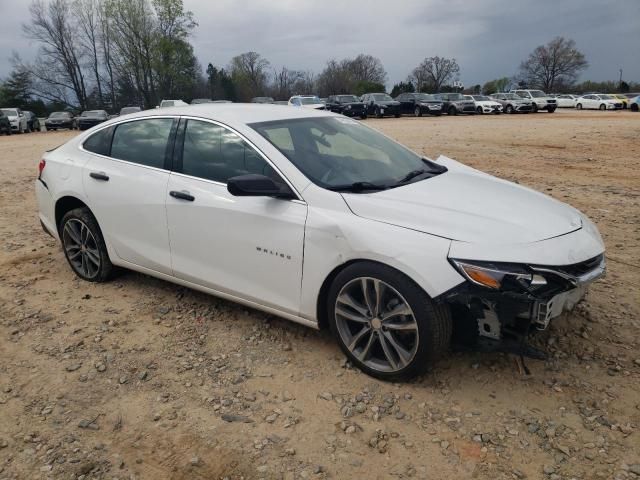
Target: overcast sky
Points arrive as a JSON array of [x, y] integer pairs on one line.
[[489, 38]]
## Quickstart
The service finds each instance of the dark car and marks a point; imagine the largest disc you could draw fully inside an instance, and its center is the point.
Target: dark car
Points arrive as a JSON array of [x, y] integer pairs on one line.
[[32, 121], [5, 124], [455, 103], [262, 100], [128, 110], [60, 120], [91, 118], [512, 103], [420, 103], [381, 104], [348, 105]]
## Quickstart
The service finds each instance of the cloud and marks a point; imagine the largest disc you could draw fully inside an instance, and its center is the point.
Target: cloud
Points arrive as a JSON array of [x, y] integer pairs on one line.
[[489, 38]]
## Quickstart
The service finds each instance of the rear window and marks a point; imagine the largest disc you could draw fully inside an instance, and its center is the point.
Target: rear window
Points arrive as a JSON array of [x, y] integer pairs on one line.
[[143, 141], [99, 142]]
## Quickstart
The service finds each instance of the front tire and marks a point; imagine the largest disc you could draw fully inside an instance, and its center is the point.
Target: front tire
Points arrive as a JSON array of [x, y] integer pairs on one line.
[[603, 107], [509, 109], [378, 114], [84, 246], [417, 112], [452, 111], [386, 324], [579, 106], [534, 108]]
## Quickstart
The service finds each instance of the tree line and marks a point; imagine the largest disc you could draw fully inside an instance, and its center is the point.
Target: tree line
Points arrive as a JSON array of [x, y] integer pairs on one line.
[[111, 53]]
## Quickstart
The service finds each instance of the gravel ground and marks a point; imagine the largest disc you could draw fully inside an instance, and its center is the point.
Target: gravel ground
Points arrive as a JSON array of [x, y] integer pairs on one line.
[[139, 378]]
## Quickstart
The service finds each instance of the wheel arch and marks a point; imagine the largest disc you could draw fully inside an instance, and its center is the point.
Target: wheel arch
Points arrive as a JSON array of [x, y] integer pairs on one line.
[[321, 302], [65, 204]]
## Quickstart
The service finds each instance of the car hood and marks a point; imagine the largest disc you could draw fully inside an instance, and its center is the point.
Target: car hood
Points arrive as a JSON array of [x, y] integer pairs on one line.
[[353, 104], [467, 205], [387, 103]]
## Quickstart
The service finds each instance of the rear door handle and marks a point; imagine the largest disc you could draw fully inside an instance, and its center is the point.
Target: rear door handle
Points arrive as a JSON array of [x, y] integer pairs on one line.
[[99, 176], [182, 196]]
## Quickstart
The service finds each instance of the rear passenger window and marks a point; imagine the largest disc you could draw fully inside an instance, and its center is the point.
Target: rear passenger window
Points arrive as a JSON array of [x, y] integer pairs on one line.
[[99, 142], [143, 141], [215, 153]]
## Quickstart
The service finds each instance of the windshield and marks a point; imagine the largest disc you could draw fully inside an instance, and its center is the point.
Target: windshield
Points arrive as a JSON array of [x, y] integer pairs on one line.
[[93, 113], [126, 110], [382, 97], [9, 112], [606, 97], [347, 99], [456, 96], [481, 98], [425, 97], [342, 154], [512, 96], [310, 100], [59, 115], [537, 93]]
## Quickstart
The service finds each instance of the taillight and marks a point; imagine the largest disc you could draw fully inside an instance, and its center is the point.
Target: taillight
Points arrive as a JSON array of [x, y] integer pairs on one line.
[[41, 166]]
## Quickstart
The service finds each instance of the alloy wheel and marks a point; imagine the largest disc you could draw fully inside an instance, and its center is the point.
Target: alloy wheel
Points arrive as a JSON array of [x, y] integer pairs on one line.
[[376, 324], [81, 248]]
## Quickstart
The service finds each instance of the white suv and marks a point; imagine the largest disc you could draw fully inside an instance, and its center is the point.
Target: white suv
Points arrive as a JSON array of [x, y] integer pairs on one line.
[[17, 119], [539, 100], [319, 219]]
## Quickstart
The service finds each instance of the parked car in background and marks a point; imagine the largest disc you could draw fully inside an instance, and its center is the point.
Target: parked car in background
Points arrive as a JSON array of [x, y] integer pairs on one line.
[[539, 100], [5, 124], [197, 101], [32, 121], [57, 120], [307, 101], [262, 100], [484, 104], [128, 110], [381, 105], [455, 103], [634, 103], [512, 103], [281, 102], [17, 119], [419, 104], [172, 103], [566, 101], [221, 101], [91, 118], [348, 105], [324, 221], [622, 98], [599, 101]]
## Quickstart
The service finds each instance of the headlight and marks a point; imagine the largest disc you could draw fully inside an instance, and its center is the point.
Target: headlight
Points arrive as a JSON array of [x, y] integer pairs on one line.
[[348, 107], [498, 276]]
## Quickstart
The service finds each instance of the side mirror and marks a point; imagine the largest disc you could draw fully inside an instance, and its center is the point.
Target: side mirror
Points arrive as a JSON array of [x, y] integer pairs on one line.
[[253, 185]]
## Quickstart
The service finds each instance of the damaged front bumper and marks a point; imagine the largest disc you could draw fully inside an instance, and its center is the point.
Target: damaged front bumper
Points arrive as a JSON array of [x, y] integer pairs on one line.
[[501, 319]]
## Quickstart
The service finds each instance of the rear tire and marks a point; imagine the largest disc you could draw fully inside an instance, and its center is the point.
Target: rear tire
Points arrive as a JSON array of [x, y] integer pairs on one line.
[[84, 246], [509, 109], [603, 107], [579, 106], [452, 111], [408, 332], [634, 107]]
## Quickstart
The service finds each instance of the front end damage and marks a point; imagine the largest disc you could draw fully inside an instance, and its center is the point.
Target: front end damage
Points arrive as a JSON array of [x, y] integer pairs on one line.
[[499, 315]]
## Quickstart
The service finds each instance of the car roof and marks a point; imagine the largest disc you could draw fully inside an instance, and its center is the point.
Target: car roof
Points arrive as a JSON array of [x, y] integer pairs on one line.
[[235, 113]]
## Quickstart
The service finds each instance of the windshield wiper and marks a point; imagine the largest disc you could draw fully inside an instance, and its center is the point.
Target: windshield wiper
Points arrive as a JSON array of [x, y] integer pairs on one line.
[[357, 187], [412, 174]]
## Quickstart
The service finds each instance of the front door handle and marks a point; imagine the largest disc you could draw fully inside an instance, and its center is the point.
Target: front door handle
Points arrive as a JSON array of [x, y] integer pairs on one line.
[[182, 196], [99, 176]]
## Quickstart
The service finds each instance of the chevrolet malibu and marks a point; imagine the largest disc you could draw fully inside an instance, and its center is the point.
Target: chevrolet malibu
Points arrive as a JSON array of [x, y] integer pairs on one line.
[[319, 219]]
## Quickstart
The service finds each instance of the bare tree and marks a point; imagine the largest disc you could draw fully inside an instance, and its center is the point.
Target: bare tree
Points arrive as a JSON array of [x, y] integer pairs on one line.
[[249, 71], [106, 49], [58, 68], [434, 72], [367, 68], [554, 64], [87, 19]]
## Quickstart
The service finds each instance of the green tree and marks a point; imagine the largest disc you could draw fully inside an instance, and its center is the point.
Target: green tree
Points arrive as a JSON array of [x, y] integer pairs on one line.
[[497, 85]]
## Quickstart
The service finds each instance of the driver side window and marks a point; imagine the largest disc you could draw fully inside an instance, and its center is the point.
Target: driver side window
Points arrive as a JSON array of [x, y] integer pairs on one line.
[[215, 153]]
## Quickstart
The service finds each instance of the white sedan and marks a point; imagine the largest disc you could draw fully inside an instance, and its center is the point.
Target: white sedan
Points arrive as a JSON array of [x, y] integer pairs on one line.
[[307, 101], [322, 220], [566, 101], [598, 102], [484, 104]]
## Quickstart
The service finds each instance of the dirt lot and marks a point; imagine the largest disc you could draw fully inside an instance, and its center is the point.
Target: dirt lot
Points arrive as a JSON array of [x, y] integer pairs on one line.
[[139, 378]]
